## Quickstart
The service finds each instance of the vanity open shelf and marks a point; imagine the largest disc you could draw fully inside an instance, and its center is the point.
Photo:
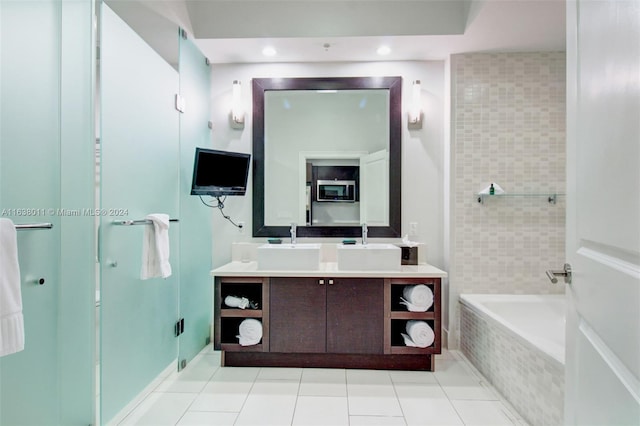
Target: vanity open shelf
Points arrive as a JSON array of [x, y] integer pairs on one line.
[[399, 315], [332, 321], [228, 319]]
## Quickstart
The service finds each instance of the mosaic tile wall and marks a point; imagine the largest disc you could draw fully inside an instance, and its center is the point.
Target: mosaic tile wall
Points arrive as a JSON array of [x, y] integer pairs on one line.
[[509, 128], [532, 382]]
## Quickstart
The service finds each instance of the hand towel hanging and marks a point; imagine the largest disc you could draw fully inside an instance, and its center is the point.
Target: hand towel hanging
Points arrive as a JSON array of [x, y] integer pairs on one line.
[[155, 247]]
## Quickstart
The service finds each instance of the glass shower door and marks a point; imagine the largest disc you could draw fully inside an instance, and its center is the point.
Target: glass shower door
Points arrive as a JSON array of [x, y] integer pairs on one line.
[[46, 176], [139, 176]]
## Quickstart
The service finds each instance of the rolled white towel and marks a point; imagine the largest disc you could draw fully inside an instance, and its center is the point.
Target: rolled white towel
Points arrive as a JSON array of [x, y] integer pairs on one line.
[[236, 302], [417, 298], [250, 332], [419, 334]]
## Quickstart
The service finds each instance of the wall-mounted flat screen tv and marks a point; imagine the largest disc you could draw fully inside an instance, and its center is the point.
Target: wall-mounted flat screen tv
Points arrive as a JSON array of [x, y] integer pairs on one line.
[[219, 173]]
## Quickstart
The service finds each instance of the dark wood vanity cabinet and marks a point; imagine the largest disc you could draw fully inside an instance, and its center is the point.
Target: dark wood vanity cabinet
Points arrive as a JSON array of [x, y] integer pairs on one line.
[[325, 322], [297, 323], [327, 315]]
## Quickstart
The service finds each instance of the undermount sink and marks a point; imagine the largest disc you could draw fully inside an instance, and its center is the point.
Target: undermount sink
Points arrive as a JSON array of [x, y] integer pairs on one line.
[[288, 257], [369, 257]]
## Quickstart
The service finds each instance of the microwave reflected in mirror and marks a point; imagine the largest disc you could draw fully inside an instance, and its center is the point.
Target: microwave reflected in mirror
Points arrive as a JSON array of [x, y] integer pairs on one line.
[[333, 193]]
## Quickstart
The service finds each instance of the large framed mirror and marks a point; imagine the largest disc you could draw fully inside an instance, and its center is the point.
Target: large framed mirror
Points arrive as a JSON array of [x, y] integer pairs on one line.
[[327, 156]]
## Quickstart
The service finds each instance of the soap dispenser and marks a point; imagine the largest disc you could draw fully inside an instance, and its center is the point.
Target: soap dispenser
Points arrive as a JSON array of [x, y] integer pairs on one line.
[[492, 190]]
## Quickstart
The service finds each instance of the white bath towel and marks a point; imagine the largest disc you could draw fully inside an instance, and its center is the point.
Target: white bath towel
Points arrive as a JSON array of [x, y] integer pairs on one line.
[[417, 298], [250, 332], [11, 320], [155, 248], [419, 334]]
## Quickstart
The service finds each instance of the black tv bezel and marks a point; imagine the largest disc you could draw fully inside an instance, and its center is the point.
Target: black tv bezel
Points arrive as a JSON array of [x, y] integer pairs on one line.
[[218, 191]]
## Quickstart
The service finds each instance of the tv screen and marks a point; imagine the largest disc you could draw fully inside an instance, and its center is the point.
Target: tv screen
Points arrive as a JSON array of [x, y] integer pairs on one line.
[[218, 173]]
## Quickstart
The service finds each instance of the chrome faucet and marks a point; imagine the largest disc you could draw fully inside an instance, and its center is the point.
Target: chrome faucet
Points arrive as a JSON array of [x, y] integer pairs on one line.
[[364, 233], [292, 231]]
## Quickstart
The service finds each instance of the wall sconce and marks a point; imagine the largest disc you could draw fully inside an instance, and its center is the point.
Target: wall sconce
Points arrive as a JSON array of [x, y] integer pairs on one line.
[[237, 111], [415, 110]]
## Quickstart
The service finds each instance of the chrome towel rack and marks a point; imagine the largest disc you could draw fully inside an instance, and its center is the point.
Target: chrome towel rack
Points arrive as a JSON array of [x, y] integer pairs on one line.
[[30, 226], [138, 222]]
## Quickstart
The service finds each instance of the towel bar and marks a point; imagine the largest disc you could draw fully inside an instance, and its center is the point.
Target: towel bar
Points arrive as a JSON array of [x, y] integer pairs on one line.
[[28, 226], [138, 222]]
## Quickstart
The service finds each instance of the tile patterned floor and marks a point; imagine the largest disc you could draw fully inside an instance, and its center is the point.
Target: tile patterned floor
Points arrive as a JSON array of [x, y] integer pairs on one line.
[[206, 394]]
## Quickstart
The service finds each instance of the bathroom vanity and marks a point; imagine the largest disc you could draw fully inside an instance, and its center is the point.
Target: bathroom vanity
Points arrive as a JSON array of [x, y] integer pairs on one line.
[[325, 317]]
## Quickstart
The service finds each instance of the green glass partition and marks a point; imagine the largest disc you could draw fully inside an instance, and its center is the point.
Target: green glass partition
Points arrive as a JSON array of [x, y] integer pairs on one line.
[[46, 175], [195, 229], [139, 176]]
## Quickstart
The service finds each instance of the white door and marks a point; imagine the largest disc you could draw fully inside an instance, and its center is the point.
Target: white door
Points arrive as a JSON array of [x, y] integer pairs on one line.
[[603, 215], [374, 188]]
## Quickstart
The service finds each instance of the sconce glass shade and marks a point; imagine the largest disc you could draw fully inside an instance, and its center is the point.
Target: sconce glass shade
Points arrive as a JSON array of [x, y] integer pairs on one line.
[[415, 111], [237, 111]]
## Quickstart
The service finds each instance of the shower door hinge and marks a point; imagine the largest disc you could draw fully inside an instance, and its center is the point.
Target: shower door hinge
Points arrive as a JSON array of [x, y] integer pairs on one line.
[[179, 102], [180, 327]]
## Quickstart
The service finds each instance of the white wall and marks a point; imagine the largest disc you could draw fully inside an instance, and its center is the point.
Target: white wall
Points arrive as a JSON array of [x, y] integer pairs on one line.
[[422, 150]]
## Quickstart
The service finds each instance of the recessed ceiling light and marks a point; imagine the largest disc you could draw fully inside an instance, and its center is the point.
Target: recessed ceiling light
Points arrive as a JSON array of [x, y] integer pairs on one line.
[[384, 50], [269, 51]]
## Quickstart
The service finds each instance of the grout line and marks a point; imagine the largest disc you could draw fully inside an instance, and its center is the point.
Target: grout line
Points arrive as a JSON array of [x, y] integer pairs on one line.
[[295, 405], [395, 391]]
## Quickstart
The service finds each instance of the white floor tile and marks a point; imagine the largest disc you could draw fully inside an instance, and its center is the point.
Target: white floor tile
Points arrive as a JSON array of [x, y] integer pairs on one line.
[[205, 394], [426, 404], [466, 388], [376, 421], [275, 388], [323, 382], [220, 396], [268, 373], [363, 377], [478, 413], [236, 374], [453, 367], [460, 382], [269, 403], [322, 411], [373, 399], [192, 418], [412, 377], [159, 409]]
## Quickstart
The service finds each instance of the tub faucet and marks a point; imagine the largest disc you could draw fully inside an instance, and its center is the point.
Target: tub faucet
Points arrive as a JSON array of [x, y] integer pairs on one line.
[[364, 233], [292, 231]]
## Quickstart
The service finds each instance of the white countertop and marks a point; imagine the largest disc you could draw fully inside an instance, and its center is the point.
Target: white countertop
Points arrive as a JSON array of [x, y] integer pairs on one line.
[[250, 269]]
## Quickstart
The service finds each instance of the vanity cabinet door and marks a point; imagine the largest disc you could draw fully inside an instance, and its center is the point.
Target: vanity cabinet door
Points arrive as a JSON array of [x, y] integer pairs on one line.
[[297, 315], [355, 315]]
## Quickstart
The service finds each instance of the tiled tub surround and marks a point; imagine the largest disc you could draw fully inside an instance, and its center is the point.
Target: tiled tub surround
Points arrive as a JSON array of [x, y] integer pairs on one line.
[[508, 127], [522, 356]]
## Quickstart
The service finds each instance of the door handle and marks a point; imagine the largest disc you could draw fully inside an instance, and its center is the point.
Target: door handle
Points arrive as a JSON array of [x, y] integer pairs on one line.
[[566, 273]]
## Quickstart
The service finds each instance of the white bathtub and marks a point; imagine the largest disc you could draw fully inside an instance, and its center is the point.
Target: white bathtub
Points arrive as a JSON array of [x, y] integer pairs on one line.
[[517, 343], [538, 320]]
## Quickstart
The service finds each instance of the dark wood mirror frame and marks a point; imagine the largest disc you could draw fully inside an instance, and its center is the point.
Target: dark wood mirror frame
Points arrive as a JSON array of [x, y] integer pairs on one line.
[[394, 85]]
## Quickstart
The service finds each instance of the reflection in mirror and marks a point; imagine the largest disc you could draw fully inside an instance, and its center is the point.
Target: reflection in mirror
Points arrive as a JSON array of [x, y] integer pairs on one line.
[[327, 154]]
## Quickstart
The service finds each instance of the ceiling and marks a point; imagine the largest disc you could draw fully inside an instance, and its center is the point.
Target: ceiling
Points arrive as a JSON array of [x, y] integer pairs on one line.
[[236, 31]]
